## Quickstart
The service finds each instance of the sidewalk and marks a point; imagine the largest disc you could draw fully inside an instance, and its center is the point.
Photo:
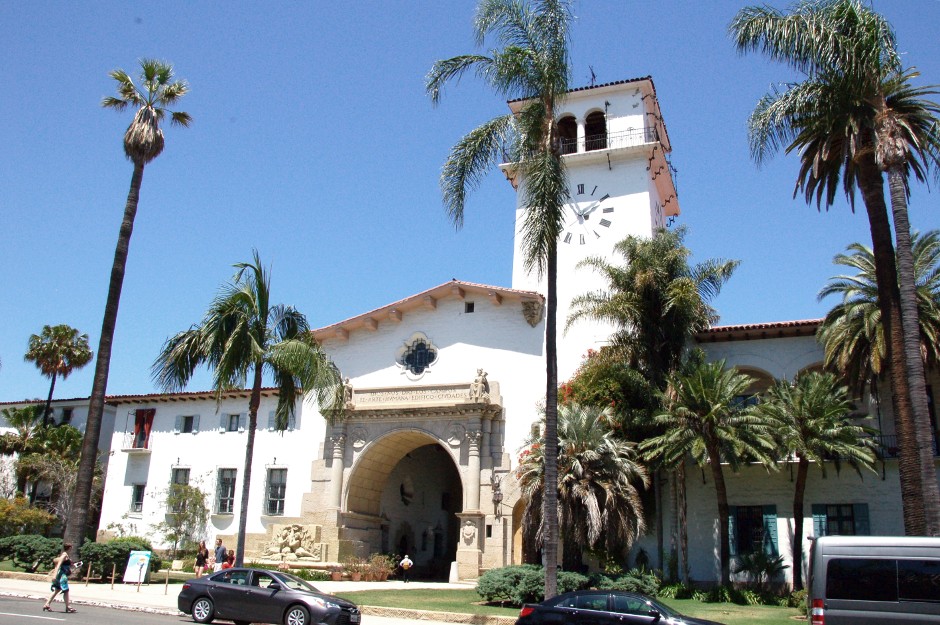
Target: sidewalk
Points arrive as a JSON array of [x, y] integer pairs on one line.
[[158, 598]]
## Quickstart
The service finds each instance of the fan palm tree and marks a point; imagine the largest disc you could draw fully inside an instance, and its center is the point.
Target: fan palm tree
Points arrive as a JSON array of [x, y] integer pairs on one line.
[[810, 418], [705, 416], [852, 334], [57, 351], [598, 498], [854, 116], [656, 302], [26, 437], [143, 142], [241, 337], [533, 64]]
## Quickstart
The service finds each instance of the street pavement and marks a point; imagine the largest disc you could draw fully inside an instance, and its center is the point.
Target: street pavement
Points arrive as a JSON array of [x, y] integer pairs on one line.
[[160, 598]]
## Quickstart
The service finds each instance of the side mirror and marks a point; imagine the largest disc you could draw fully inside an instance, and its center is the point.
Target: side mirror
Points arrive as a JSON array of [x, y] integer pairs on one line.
[[655, 614], [273, 586]]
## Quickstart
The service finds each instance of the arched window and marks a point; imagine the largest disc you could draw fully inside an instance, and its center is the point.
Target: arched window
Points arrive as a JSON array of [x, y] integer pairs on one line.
[[568, 134], [595, 131]]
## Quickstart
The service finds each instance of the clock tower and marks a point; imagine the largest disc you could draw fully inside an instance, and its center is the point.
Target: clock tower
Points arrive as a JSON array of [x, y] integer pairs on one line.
[[615, 145]]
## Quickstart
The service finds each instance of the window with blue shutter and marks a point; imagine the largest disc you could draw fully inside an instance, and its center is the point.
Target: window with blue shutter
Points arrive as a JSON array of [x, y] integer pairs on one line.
[[841, 519], [732, 530], [752, 528], [819, 519], [862, 525], [770, 530]]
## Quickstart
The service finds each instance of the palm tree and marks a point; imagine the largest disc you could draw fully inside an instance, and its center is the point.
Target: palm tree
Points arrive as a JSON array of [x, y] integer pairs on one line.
[[26, 437], [705, 416], [241, 337], [852, 334], [532, 64], [810, 418], [143, 142], [656, 302], [853, 116], [598, 500], [57, 351]]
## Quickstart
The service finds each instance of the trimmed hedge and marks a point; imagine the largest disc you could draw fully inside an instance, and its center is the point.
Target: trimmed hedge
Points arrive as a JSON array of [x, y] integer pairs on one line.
[[31, 552], [523, 583], [113, 555]]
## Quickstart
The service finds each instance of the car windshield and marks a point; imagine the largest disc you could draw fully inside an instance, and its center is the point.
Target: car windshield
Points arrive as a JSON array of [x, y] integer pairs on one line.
[[295, 583], [664, 609]]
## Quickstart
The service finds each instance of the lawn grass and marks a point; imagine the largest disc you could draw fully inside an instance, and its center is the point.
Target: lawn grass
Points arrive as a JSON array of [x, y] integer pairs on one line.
[[468, 602]]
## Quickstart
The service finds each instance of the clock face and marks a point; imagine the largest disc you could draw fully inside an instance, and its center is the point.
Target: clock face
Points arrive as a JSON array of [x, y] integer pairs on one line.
[[589, 213]]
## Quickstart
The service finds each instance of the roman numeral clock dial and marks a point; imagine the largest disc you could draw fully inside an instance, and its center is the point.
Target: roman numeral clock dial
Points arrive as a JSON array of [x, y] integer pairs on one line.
[[589, 213]]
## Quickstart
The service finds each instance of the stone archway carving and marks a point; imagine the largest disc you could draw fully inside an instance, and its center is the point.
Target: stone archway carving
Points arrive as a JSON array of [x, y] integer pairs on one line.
[[384, 425]]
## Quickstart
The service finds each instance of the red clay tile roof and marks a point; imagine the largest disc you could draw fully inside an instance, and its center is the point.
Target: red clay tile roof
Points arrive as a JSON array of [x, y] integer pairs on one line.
[[752, 331]]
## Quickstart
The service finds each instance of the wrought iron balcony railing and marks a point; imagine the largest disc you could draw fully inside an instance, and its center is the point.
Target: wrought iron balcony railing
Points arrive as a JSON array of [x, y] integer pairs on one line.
[[622, 139], [136, 443], [889, 447]]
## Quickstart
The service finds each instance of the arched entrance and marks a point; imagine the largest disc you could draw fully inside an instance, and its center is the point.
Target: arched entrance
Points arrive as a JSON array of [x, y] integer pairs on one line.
[[408, 484]]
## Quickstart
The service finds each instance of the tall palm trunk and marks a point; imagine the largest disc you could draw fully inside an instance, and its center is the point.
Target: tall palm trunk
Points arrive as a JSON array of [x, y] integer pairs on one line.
[[682, 506], [714, 461], [871, 184], [802, 470], [912, 353], [253, 405], [76, 525], [550, 498], [45, 411]]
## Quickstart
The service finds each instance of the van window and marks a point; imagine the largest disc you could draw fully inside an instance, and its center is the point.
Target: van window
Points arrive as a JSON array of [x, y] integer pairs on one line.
[[862, 579], [919, 580]]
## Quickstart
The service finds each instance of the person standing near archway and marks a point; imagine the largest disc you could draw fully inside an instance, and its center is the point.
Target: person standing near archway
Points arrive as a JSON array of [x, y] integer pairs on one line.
[[405, 564]]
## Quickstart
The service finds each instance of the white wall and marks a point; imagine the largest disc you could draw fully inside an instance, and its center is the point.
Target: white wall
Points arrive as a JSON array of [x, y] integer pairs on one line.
[[204, 452]]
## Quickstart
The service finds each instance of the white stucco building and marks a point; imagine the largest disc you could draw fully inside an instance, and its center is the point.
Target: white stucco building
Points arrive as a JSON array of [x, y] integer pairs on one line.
[[445, 386]]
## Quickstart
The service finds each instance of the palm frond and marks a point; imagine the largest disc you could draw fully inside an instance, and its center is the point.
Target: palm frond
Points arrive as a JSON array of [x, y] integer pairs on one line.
[[469, 161]]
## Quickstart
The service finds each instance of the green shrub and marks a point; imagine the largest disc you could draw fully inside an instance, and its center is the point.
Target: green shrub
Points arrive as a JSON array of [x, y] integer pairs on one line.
[[113, 555], [797, 600], [31, 552], [722, 594], [18, 518], [523, 583], [750, 597], [311, 575], [638, 580], [567, 581], [676, 591], [498, 585], [600, 581]]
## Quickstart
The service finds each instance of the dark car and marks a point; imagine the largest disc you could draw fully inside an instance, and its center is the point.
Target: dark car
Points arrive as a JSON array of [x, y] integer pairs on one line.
[[261, 596], [603, 607]]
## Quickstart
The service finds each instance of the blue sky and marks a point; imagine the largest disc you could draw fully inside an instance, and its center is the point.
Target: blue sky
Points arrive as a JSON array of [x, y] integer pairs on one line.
[[313, 141]]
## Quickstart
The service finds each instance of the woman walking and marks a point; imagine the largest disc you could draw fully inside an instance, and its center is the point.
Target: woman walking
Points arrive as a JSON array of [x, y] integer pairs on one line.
[[202, 558], [60, 579]]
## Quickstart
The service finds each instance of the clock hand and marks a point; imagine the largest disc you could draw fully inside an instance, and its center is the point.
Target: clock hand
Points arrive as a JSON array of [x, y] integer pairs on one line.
[[590, 209]]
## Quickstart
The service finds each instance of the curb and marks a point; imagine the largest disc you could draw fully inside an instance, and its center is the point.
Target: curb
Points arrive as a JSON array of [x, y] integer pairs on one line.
[[98, 604], [446, 617]]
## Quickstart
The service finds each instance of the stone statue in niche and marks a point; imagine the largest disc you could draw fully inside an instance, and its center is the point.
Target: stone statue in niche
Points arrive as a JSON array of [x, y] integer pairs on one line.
[[469, 532], [480, 387], [347, 392]]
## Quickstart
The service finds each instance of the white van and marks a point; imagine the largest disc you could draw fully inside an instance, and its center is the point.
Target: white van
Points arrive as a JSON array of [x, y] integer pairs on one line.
[[879, 580]]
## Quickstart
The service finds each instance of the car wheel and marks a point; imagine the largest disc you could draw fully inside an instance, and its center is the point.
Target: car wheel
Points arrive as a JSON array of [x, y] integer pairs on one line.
[[297, 615], [203, 610]]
